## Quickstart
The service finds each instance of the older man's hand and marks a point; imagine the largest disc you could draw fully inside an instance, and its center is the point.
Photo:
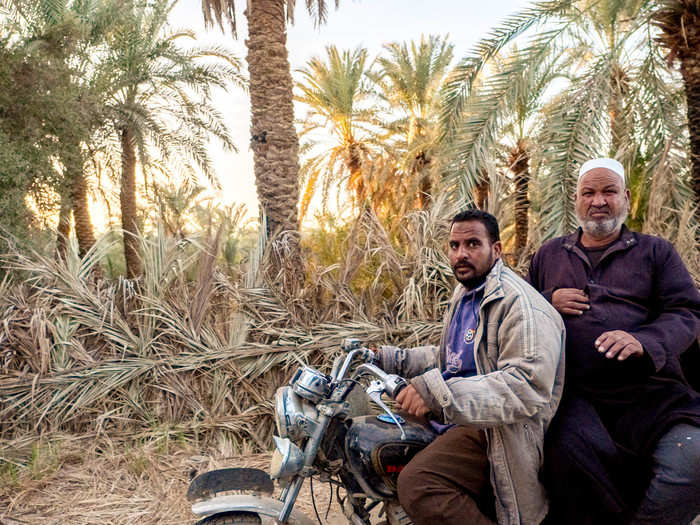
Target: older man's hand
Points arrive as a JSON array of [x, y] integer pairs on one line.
[[617, 343], [570, 301], [411, 401]]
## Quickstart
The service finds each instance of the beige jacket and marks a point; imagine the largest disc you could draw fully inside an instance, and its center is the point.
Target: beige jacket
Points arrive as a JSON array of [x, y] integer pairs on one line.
[[519, 358]]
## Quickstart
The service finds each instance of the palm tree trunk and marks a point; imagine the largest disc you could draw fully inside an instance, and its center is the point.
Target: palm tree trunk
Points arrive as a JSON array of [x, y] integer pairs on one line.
[[481, 192], [680, 24], [63, 230], [127, 199], [425, 185], [690, 69], [356, 181], [274, 140], [520, 166], [81, 214], [618, 126]]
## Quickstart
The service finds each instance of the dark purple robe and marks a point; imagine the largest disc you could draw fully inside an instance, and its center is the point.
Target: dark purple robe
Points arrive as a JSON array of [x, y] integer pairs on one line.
[[641, 286]]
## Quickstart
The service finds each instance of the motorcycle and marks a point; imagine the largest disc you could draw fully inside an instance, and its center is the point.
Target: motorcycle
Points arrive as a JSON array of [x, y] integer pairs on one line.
[[324, 427]]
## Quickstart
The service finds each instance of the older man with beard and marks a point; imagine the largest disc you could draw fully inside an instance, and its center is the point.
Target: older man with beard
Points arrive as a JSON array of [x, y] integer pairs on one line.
[[625, 444]]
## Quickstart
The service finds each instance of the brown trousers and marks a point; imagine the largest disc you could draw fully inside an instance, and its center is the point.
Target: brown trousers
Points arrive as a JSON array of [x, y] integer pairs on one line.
[[448, 482]]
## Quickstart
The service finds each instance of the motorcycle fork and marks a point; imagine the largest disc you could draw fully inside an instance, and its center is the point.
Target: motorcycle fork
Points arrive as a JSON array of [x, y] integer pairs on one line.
[[310, 450]]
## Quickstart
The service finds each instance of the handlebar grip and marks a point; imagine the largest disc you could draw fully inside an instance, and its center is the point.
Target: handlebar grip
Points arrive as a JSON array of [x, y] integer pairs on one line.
[[394, 384]]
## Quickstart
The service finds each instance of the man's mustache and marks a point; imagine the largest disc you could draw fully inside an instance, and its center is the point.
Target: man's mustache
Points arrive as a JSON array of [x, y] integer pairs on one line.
[[464, 264]]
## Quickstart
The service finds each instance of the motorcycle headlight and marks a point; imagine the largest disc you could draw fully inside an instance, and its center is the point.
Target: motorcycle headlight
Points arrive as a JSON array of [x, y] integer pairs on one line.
[[287, 460], [295, 418]]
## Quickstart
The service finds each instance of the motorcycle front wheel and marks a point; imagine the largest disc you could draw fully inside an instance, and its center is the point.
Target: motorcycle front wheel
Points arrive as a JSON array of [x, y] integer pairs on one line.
[[232, 518]]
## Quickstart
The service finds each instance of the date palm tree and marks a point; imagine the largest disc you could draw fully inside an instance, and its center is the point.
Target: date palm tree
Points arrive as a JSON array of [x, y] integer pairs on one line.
[[273, 136], [410, 77], [679, 21], [160, 97], [67, 33], [334, 90], [620, 100], [518, 129]]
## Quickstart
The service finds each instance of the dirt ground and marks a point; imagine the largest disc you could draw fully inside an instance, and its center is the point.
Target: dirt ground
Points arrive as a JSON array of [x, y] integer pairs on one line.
[[84, 483], [135, 486]]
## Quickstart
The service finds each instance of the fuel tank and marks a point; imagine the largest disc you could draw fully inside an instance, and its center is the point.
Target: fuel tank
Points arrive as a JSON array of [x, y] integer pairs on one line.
[[376, 452]]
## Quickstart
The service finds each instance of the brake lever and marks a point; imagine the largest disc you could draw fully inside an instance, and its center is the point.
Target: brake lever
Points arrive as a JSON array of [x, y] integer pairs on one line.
[[375, 391]]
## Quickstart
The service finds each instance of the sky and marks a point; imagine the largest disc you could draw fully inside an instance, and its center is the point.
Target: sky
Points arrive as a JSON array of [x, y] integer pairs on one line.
[[369, 23]]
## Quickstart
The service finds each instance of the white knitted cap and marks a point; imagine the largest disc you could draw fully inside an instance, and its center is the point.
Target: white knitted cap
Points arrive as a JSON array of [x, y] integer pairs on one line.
[[603, 162]]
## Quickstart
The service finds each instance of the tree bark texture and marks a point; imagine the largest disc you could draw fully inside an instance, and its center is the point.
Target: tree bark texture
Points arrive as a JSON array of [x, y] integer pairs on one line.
[[425, 184], [616, 109], [690, 69], [679, 21], [520, 167], [127, 200], [273, 136], [481, 193], [356, 181], [63, 230], [81, 213]]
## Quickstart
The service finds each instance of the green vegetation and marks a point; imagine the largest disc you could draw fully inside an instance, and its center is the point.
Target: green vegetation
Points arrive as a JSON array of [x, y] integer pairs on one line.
[[179, 328], [587, 79], [87, 82]]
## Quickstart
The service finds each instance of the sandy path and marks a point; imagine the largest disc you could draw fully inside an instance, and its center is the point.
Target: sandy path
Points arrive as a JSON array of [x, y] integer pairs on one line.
[[129, 487], [134, 486]]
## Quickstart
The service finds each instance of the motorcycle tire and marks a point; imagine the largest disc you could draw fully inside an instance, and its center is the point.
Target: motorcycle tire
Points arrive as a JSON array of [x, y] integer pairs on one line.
[[231, 518]]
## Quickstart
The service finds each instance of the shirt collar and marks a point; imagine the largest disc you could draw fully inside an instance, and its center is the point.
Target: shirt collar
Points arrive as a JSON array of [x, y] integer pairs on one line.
[[625, 240]]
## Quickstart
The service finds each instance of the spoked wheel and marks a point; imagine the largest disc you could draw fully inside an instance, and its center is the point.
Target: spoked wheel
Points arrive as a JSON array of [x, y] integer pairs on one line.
[[232, 518]]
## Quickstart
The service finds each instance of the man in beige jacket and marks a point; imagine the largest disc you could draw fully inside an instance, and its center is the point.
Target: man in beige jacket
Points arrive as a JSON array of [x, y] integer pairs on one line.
[[490, 389]]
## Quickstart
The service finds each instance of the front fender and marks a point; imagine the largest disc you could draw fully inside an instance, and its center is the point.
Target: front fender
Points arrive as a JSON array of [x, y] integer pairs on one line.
[[264, 507]]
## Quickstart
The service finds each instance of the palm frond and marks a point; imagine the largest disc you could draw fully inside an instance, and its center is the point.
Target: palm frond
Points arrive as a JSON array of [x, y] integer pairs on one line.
[[461, 81], [216, 12], [576, 131]]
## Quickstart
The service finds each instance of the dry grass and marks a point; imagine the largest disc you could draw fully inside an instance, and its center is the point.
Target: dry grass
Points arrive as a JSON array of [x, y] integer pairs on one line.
[[176, 356], [171, 356], [81, 481], [127, 382]]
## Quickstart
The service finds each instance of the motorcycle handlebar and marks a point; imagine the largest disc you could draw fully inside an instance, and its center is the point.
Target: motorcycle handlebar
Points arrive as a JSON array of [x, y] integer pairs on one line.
[[393, 384]]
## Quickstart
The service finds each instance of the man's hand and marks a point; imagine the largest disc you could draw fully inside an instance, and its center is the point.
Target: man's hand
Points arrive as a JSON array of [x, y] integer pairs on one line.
[[620, 344], [570, 301], [411, 401]]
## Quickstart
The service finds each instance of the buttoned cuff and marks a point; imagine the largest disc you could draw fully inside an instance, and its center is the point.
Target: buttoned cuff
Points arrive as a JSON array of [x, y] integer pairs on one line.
[[434, 391]]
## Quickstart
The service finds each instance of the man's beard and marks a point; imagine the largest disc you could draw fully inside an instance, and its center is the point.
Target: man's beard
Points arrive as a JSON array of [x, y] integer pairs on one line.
[[477, 280], [601, 228]]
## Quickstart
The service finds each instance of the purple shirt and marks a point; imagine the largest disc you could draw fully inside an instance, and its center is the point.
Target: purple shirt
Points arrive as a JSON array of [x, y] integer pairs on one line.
[[459, 352]]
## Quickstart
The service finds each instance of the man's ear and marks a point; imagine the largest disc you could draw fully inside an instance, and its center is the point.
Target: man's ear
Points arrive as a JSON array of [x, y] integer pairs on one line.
[[497, 248]]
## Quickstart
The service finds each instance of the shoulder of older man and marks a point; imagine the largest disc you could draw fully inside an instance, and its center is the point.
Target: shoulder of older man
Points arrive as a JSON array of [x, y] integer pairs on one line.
[[553, 246], [657, 244], [522, 295]]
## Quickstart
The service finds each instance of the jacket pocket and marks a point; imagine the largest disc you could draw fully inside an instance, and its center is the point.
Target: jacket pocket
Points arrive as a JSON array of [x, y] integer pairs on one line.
[[491, 338], [535, 439]]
